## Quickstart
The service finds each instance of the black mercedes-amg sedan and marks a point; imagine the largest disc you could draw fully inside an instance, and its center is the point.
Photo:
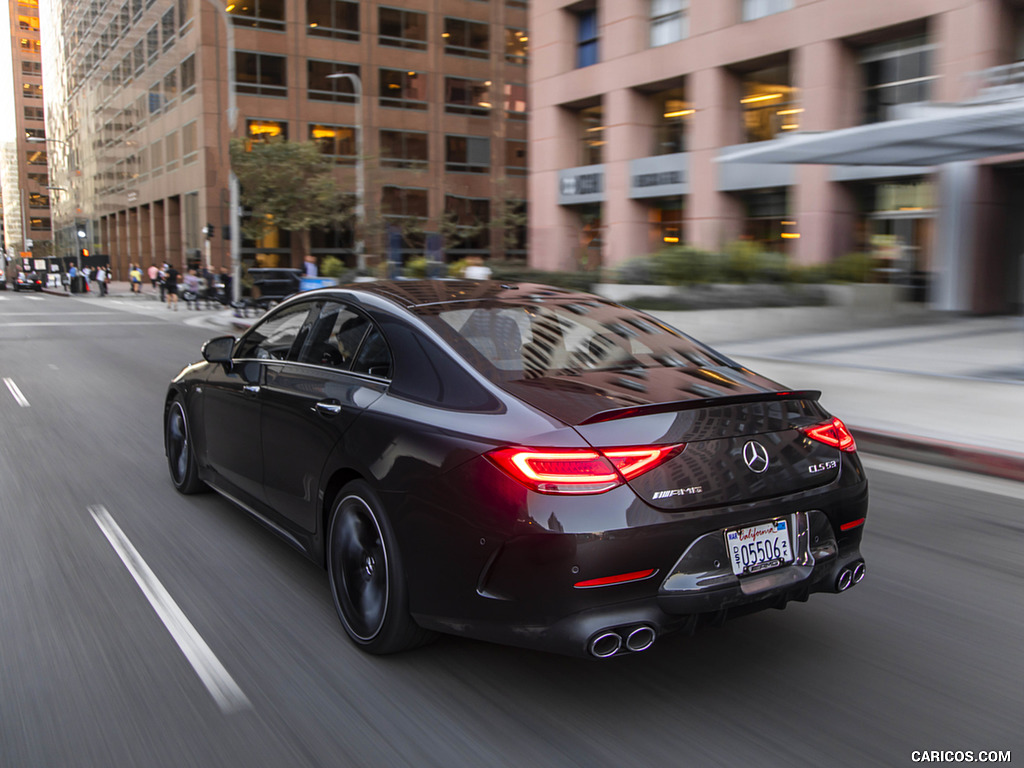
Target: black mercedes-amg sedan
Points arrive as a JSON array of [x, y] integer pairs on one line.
[[520, 464]]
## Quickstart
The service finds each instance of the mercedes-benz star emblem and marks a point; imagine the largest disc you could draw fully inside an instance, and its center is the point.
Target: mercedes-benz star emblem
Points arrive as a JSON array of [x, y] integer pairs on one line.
[[755, 456]]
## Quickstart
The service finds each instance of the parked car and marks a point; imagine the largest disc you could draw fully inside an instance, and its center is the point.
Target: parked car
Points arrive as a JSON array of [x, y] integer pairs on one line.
[[520, 464], [29, 281]]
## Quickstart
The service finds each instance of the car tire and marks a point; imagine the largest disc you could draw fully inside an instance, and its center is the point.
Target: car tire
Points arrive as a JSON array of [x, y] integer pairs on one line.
[[366, 575], [178, 445]]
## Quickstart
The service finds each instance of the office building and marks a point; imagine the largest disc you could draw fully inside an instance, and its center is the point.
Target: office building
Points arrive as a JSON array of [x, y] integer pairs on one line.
[[23, 160], [636, 104], [137, 106]]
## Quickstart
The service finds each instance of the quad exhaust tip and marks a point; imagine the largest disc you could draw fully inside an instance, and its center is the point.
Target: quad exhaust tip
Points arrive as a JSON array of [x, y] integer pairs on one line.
[[619, 639], [850, 576]]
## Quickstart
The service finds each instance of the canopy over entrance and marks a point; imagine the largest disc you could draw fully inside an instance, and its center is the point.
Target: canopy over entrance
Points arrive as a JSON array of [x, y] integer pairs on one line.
[[934, 135]]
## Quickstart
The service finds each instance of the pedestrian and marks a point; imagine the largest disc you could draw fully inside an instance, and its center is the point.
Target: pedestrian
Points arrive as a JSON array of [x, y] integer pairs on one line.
[[171, 286], [153, 273], [190, 284], [85, 278], [101, 280], [161, 279], [225, 286], [310, 267], [135, 276]]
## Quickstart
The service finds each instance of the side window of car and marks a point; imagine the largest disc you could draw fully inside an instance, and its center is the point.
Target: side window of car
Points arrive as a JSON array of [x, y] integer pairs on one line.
[[374, 357], [335, 337], [275, 337]]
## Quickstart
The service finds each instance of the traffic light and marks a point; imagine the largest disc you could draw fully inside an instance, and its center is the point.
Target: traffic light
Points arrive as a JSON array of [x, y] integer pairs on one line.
[[85, 252], [208, 230]]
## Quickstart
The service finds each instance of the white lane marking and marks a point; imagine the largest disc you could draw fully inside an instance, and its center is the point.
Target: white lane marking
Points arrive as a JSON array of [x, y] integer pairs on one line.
[[22, 400], [211, 672], [957, 478], [34, 298]]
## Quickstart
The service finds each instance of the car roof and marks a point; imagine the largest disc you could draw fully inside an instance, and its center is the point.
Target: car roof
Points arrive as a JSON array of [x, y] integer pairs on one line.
[[412, 294]]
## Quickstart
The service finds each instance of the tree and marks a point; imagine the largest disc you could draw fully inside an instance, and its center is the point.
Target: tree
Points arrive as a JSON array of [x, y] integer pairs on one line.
[[289, 185]]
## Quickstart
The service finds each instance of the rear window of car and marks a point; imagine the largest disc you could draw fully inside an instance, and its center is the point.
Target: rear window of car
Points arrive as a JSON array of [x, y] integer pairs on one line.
[[508, 342]]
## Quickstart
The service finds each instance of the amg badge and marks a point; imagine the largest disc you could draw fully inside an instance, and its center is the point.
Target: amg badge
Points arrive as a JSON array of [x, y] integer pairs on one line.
[[692, 490]]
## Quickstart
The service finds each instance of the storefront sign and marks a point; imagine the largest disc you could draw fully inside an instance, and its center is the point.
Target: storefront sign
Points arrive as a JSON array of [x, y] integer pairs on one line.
[[660, 176], [577, 186]]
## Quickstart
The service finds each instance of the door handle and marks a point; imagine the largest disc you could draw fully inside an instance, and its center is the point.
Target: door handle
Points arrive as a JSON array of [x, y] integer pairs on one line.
[[328, 408], [252, 389]]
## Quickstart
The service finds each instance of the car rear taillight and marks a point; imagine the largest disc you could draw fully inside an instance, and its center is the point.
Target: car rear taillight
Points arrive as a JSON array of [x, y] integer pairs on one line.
[[579, 470], [832, 433]]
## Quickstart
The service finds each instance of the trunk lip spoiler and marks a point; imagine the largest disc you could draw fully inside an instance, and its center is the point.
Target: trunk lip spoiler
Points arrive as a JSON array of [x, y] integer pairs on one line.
[[626, 412]]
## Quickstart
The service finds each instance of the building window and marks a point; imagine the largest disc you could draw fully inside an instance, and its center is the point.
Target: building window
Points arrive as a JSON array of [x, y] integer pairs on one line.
[[258, 14], [136, 10], [31, 46], [592, 135], [156, 101], [41, 179], [404, 89], [670, 21], [156, 154], [185, 11], [404, 202], [515, 101], [471, 217], [770, 104], [170, 88], [152, 44], [466, 38], [126, 69], [31, 91], [516, 46], [38, 200], [34, 68], [337, 141], [586, 38], [39, 224], [265, 130], [755, 9], [260, 74], [674, 113], [467, 154], [34, 113], [167, 29], [172, 150], [320, 87], [402, 29], [188, 77], [35, 133], [338, 19], [403, 149], [467, 97], [190, 143], [898, 72], [139, 54], [515, 157]]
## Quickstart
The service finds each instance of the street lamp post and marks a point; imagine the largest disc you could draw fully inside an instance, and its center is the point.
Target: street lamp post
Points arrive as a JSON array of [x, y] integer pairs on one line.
[[357, 87]]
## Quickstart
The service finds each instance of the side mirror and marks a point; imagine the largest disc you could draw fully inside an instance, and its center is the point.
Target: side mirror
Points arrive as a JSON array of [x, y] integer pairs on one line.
[[219, 349]]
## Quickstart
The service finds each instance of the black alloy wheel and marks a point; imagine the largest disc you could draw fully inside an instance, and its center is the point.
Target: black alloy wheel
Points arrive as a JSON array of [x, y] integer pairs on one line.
[[181, 459], [366, 575]]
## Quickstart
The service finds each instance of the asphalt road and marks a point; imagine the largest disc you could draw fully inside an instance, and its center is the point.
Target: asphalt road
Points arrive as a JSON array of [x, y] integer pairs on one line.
[[923, 655]]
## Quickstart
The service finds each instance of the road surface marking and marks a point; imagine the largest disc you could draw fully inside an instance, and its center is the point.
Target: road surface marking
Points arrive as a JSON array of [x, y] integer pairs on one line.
[[22, 400], [211, 672]]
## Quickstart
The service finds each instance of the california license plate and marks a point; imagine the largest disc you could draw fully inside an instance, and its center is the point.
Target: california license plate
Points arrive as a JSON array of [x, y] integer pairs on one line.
[[759, 547]]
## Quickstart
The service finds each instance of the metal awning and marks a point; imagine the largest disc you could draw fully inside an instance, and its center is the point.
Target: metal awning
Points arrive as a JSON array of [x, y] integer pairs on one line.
[[934, 135]]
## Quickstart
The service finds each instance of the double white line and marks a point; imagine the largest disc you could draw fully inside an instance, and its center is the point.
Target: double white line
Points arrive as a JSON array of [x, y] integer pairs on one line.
[[212, 673], [22, 400]]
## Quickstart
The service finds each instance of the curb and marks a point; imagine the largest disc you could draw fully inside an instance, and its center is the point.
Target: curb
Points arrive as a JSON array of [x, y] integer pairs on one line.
[[940, 453]]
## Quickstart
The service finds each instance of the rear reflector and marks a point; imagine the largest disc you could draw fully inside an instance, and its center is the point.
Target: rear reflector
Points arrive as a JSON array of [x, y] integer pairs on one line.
[[622, 578], [832, 433], [579, 470], [851, 525]]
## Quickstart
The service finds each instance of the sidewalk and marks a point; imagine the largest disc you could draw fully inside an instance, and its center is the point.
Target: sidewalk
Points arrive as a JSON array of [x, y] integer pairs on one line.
[[940, 389]]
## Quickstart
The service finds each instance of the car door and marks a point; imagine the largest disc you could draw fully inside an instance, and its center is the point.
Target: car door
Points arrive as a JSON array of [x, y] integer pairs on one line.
[[234, 399], [341, 368]]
